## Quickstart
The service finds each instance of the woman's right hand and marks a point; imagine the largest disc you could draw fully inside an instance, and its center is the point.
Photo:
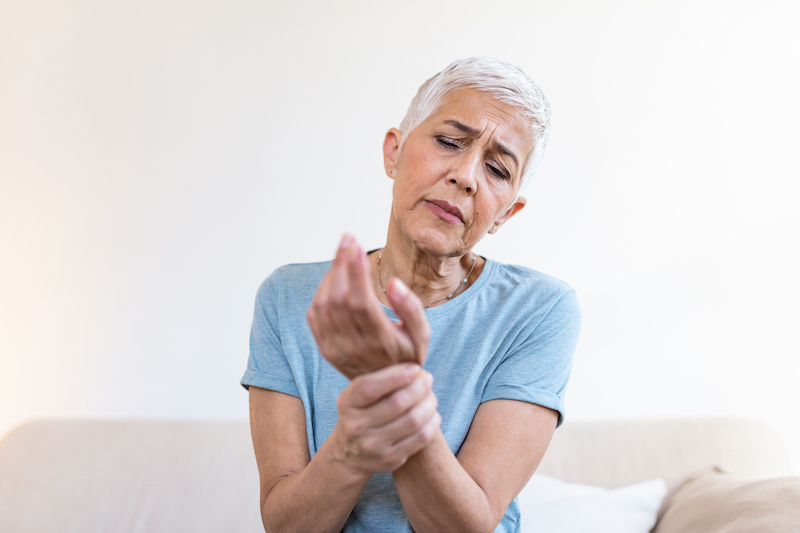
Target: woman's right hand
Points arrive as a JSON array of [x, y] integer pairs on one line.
[[352, 331], [385, 417]]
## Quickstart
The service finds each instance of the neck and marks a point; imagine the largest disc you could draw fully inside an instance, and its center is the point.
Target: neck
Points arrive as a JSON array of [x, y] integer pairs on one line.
[[430, 276]]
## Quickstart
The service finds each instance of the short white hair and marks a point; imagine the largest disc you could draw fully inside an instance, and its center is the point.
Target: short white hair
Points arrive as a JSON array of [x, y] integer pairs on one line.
[[501, 80]]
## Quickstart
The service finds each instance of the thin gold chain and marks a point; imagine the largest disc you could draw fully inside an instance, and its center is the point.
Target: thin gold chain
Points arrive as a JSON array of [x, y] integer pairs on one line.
[[448, 297]]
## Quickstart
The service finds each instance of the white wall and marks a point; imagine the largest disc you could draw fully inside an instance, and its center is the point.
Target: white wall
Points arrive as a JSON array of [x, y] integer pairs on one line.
[[159, 159]]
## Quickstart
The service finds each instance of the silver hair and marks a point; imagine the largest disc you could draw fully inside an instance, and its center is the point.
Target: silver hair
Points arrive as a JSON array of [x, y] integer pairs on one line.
[[504, 82]]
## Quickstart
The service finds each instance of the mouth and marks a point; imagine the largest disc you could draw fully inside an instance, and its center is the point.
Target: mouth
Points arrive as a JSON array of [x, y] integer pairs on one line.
[[446, 211]]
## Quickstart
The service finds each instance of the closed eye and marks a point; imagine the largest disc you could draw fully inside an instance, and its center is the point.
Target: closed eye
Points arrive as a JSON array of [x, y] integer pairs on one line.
[[498, 172], [447, 142]]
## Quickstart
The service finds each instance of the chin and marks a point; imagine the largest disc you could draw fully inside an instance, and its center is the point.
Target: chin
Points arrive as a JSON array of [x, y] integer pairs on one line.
[[434, 242]]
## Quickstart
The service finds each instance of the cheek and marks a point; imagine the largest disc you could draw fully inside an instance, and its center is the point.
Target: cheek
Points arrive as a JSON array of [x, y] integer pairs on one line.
[[491, 208], [424, 167]]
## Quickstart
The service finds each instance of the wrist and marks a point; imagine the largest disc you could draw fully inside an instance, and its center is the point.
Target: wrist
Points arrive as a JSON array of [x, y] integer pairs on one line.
[[341, 454]]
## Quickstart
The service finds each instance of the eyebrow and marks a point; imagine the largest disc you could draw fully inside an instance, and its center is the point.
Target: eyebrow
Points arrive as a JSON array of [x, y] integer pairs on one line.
[[472, 132]]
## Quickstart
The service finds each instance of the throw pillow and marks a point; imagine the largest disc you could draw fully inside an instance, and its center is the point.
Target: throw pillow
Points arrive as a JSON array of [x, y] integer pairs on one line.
[[716, 502], [551, 505]]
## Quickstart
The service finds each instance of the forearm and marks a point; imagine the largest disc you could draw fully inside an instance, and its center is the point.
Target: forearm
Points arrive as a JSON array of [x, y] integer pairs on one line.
[[438, 495], [318, 498]]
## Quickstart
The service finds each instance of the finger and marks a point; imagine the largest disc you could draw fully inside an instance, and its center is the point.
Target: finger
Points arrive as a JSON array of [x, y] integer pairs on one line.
[[342, 309], [417, 440], [319, 315], [325, 290], [344, 244], [338, 283], [367, 389], [399, 402], [411, 420], [408, 308], [367, 314], [316, 315]]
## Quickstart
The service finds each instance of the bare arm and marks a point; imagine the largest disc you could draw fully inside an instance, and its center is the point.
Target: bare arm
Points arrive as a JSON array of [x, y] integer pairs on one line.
[[384, 417], [505, 444], [290, 481]]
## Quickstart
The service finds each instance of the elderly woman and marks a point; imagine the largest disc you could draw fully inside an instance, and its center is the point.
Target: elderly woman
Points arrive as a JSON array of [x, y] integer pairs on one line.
[[419, 385]]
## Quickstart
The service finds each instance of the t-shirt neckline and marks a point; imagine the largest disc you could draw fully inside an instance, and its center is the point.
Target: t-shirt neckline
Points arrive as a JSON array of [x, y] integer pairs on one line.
[[457, 301]]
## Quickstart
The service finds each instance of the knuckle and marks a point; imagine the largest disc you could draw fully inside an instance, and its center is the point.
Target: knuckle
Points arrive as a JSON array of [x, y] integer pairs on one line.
[[339, 304], [370, 447], [359, 307], [426, 333], [427, 432], [421, 387], [366, 391], [436, 422], [415, 418], [353, 427], [397, 401], [374, 343], [319, 301]]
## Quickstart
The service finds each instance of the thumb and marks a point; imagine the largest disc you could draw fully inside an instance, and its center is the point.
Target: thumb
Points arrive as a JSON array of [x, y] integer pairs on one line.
[[408, 308]]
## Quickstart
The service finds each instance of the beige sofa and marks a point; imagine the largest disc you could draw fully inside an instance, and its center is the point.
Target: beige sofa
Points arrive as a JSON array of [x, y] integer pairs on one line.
[[196, 476]]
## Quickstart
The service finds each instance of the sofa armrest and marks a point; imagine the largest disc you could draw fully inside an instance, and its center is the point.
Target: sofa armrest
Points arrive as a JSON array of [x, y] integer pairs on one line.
[[716, 502]]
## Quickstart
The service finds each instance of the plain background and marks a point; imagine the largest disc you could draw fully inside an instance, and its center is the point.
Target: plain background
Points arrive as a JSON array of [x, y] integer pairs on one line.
[[158, 159]]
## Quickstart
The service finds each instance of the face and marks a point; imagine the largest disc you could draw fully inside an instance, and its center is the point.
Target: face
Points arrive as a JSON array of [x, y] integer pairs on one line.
[[458, 173]]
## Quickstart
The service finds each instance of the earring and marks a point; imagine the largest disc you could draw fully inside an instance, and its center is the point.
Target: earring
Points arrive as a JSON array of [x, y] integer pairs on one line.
[[494, 229]]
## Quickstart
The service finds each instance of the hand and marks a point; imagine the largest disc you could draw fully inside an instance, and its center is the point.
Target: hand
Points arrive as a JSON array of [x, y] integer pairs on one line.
[[385, 417], [351, 328]]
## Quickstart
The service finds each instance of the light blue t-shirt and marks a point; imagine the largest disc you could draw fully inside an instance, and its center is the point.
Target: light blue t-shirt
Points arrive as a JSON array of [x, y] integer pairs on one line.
[[511, 335]]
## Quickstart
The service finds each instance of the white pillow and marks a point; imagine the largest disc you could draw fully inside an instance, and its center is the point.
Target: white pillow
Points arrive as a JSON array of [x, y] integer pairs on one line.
[[554, 506]]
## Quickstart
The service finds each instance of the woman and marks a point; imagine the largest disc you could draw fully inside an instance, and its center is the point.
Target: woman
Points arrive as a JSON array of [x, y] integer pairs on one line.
[[442, 373]]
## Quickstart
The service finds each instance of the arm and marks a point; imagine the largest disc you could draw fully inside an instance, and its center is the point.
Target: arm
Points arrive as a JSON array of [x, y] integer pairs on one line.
[[507, 438], [505, 444], [292, 485], [384, 417]]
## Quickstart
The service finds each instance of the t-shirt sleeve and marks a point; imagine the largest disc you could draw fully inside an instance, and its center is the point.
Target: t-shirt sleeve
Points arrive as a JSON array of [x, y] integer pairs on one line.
[[267, 366], [537, 369]]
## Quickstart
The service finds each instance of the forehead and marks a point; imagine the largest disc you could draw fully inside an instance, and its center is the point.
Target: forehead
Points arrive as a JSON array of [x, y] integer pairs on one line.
[[484, 112]]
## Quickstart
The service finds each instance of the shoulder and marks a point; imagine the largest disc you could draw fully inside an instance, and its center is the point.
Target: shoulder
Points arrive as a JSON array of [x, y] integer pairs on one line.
[[525, 285], [520, 275], [297, 281], [529, 298]]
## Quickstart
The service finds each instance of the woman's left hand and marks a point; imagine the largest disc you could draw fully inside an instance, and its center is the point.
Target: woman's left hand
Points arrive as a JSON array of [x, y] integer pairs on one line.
[[351, 329]]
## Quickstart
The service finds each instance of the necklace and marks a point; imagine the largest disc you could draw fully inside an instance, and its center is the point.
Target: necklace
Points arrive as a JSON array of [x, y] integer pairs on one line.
[[448, 297]]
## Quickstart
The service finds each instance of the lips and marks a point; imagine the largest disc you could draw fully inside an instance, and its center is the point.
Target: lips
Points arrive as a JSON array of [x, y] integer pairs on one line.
[[447, 208]]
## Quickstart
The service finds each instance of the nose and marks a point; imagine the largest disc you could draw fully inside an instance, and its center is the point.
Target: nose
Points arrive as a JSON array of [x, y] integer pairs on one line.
[[464, 173]]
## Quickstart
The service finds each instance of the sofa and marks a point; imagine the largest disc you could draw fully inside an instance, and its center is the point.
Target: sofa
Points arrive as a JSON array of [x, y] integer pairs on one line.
[[137, 476]]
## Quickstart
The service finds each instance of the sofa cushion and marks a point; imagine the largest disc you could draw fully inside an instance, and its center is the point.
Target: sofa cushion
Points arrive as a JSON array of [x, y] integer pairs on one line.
[[716, 502], [551, 505]]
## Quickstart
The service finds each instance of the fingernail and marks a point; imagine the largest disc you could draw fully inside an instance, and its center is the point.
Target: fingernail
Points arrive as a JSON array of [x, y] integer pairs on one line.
[[346, 240], [411, 370], [400, 288]]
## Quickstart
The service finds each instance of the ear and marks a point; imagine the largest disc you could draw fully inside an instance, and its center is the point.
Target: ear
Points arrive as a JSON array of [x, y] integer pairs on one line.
[[391, 147], [515, 208]]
